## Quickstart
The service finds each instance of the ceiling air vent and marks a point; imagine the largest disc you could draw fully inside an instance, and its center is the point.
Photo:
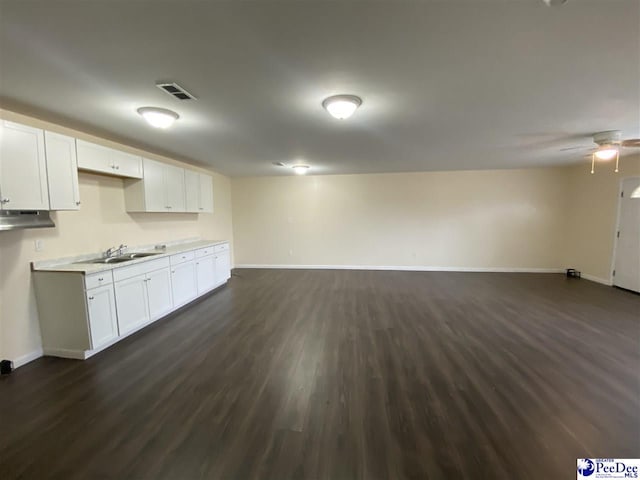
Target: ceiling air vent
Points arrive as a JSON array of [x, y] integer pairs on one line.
[[175, 90]]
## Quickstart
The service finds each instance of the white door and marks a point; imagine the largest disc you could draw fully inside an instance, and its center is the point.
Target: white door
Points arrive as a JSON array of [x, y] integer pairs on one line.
[[183, 283], [627, 264], [154, 192], [103, 322], [131, 303], [223, 267], [94, 157], [192, 190], [23, 169], [174, 187], [62, 171], [206, 272], [206, 194], [159, 293], [126, 164]]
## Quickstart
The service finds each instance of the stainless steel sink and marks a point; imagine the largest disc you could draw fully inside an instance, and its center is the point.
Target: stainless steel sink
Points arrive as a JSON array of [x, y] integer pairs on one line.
[[121, 258], [141, 254]]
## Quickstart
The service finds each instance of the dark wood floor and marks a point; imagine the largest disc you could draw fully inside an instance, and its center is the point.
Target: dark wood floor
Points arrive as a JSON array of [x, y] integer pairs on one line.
[[344, 375]]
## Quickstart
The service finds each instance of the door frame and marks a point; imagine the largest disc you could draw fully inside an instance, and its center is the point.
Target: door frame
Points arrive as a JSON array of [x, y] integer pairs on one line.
[[617, 227]]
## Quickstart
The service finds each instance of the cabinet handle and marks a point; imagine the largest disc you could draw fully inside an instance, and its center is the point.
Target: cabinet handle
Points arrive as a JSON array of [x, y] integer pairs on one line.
[[201, 208], [5, 200], [90, 298], [78, 202], [173, 271], [117, 167], [100, 279]]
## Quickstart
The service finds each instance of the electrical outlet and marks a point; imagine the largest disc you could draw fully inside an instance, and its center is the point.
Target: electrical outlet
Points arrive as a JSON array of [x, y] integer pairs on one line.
[[39, 245]]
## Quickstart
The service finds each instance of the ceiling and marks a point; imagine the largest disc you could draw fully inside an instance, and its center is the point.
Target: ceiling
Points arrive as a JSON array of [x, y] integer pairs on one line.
[[446, 85]]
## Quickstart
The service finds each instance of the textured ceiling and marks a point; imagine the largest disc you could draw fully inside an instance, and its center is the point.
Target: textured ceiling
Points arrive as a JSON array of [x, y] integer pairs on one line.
[[446, 84]]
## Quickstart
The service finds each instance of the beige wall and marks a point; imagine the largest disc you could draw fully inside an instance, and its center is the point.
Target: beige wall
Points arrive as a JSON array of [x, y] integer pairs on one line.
[[101, 222], [592, 216], [472, 219]]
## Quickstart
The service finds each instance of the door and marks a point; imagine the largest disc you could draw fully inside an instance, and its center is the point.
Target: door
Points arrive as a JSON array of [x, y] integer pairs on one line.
[[192, 190], [62, 171], [159, 293], [174, 188], [154, 192], [23, 169], [223, 267], [206, 272], [627, 263], [183, 283], [103, 322], [131, 303], [206, 194]]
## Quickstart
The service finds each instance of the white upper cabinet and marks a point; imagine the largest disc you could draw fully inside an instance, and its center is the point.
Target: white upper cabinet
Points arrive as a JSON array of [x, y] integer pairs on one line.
[[161, 190], [62, 171], [98, 158], [192, 190], [23, 170], [206, 194]]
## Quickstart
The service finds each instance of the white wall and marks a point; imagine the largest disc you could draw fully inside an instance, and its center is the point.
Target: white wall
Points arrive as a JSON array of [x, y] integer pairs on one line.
[[592, 216], [101, 222], [513, 219]]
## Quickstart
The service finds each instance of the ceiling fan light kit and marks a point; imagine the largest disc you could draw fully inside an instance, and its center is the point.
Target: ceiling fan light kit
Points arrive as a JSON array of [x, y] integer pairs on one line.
[[609, 145]]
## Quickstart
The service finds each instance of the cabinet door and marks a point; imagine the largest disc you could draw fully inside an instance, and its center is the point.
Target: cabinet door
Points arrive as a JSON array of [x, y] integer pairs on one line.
[[62, 171], [103, 322], [206, 194], [94, 157], [126, 164], [23, 169], [131, 303], [183, 283], [206, 273], [174, 188], [159, 293], [223, 267], [154, 191], [192, 190]]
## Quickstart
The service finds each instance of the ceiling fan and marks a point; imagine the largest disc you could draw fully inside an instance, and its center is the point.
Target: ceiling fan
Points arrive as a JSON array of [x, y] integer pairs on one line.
[[608, 146]]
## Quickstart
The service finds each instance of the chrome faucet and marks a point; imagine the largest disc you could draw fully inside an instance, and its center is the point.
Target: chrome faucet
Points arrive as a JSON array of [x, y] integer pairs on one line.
[[121, 249], [110, 251], [115, 252]]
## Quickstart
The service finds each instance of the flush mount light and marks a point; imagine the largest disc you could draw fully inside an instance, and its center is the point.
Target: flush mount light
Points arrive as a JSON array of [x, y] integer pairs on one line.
[[158, 117], [300, 169], [342, 106]]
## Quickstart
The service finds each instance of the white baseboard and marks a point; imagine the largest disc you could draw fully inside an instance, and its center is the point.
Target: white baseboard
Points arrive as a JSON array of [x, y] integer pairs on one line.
[[603, 281], [29, 357], [411, 268], [65, 353]]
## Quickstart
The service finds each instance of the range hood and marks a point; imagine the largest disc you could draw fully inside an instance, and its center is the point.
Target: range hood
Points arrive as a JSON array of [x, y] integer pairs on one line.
[[15, 219]]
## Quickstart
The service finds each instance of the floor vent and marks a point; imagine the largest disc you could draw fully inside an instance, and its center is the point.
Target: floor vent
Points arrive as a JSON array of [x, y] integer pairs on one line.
[[176, 91]]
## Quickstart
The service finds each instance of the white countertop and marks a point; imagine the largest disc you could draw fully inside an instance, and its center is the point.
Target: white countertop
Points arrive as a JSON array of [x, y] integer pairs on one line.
[[74, 264]]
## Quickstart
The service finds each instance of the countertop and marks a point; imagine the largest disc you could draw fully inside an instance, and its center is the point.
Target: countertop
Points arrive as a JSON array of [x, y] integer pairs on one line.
[[74, 264]]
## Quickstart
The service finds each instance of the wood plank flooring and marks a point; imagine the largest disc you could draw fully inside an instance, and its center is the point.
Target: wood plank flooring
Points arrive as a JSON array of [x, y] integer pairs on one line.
[[344, 375]]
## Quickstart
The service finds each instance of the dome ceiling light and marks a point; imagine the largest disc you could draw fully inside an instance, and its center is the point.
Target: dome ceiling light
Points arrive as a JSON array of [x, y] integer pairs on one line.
[[342, 106], [158, 117]]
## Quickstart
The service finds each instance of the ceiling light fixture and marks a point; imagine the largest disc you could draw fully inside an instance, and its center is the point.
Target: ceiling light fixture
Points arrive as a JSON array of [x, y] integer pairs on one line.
[[300, 169], [606, 152], [158, 117], [342, 106]]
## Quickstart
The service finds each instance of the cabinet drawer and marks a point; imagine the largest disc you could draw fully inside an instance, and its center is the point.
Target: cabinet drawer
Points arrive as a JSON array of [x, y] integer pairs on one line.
[[204, 252], [223, 247], [140, 269], [98, 279], [182, 257]]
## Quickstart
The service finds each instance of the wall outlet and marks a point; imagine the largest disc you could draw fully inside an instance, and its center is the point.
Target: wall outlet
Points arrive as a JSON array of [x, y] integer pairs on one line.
[[39, 245]]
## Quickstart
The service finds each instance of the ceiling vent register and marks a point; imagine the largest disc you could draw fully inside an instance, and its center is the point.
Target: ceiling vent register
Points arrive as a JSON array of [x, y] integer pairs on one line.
[[175, 91]]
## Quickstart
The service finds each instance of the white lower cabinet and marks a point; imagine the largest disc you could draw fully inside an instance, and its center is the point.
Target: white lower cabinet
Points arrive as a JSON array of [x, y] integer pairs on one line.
[[183, 283], [101, 309], [131, 302], [81, 314], [206, 273]]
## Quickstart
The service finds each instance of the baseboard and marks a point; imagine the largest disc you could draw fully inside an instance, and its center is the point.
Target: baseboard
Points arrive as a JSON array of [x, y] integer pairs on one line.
[[603, 281], [65, 353], [29, 357], [411, 268]]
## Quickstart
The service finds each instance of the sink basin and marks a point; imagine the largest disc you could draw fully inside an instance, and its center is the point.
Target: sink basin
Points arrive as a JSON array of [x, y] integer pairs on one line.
[[122, 258], [141, 254]]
